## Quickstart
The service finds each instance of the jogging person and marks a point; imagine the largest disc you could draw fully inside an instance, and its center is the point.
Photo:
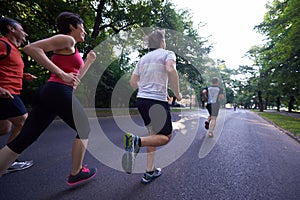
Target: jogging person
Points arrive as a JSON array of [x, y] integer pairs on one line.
[[213, 94], [56, 98], [151, 76], [12, 110]]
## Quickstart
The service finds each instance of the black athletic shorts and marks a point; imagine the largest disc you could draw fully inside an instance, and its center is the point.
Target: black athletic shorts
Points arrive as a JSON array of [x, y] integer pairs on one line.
[[11, 107], [156, 115], [213, 109]]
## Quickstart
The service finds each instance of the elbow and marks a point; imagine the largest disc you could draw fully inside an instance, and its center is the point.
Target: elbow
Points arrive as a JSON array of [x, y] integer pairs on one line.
[[170, 69], [32, 50], [134, 81], [171, 66], [25, 49], [133, 84]]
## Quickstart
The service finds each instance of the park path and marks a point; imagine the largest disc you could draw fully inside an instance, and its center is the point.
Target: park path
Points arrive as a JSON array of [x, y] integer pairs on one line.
[[251, 159]]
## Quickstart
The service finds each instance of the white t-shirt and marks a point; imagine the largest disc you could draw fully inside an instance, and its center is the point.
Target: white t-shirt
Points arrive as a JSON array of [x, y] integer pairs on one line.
[[153, 83], [213, 94]]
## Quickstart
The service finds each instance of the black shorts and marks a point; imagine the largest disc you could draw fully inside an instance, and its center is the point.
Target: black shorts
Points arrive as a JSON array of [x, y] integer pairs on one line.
[[213, 109], [156, 115], [11, 107]]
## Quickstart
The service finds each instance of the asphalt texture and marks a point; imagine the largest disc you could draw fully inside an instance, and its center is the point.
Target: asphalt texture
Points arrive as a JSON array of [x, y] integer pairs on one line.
[[249, 159]]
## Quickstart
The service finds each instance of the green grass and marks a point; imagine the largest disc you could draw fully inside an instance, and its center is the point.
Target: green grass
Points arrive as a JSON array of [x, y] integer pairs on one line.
[[133, 111], [121, 112], [288, 123]]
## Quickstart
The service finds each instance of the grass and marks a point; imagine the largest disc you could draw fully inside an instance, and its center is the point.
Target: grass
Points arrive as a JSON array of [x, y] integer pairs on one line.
[[108, 112], [132, 111], [288, 123]]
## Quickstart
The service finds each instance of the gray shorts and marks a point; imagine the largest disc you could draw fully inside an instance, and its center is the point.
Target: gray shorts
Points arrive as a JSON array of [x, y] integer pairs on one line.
[[213, 109]]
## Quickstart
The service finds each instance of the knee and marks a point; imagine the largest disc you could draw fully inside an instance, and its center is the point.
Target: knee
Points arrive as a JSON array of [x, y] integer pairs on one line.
[[4, 130], [167, 139], [5, 127], [21, 121]]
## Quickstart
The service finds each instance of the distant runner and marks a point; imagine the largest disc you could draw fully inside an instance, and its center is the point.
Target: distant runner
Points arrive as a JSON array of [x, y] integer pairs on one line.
[[212, 94]]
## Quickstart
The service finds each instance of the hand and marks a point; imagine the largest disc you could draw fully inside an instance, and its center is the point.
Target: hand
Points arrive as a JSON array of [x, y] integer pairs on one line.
[[204, 95], [5, 94], [28, 76], [70, 78], [179, 97], [91, 56]]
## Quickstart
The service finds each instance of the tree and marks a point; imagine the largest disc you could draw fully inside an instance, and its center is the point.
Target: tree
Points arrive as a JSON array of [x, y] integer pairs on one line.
[[279, 57], [103, 20]]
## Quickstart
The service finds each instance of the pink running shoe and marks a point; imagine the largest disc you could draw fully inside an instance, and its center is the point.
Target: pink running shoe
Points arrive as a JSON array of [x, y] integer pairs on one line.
[[83, 175]]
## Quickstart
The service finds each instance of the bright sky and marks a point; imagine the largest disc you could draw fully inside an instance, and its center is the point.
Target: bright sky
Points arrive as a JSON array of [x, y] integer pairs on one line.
[[230, 24]]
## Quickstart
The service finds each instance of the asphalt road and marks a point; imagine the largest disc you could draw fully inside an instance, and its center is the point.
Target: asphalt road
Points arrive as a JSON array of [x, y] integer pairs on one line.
[[247, 159]]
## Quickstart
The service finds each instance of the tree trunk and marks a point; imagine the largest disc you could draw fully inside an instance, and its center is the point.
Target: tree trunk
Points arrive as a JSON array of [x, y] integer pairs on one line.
[[260, 102], [278, 103], [98, 20], [291, 103]]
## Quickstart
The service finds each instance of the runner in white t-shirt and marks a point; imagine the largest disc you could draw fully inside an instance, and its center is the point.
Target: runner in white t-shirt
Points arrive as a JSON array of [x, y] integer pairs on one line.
[[212, 94], [151, 76]]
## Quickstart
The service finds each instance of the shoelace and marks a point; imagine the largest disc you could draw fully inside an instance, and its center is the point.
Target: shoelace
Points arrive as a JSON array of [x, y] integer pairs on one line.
[[85, 169]]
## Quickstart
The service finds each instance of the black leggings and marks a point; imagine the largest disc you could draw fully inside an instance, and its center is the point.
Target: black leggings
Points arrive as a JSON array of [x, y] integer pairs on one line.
[[51, 100]]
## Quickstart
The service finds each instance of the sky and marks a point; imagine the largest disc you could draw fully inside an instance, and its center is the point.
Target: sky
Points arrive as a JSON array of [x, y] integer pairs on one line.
[[229, 23]]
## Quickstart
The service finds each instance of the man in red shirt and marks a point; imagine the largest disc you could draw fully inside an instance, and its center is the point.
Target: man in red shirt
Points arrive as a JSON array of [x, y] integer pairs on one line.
[[12, 109]]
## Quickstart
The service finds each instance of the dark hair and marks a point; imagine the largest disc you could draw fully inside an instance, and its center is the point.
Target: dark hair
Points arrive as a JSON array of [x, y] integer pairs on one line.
[[4, 22], [64, 19]]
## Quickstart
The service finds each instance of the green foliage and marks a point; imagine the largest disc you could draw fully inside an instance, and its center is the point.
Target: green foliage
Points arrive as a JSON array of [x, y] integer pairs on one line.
[[104, 19], [278, 59]]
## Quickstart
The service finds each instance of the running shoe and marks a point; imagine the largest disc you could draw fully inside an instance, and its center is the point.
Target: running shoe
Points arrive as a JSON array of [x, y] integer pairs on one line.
[[149, 176], [83, 175], [206, 125], [132, 148], [18, 166]]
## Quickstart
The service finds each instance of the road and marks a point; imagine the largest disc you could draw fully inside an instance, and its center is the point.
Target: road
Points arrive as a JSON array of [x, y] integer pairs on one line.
[[250, 159]]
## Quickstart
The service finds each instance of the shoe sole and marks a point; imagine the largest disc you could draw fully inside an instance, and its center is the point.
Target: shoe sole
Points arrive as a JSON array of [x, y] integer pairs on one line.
[[84, 180], [146, 182], [20, 169], [127, 162], [127, 158]]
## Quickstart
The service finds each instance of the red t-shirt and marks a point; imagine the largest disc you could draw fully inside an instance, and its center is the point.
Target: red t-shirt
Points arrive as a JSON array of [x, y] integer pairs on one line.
[[11, 68], [68, 63]]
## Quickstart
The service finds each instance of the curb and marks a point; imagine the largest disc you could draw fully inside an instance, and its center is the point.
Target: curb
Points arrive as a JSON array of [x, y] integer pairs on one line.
[[281, 129]]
